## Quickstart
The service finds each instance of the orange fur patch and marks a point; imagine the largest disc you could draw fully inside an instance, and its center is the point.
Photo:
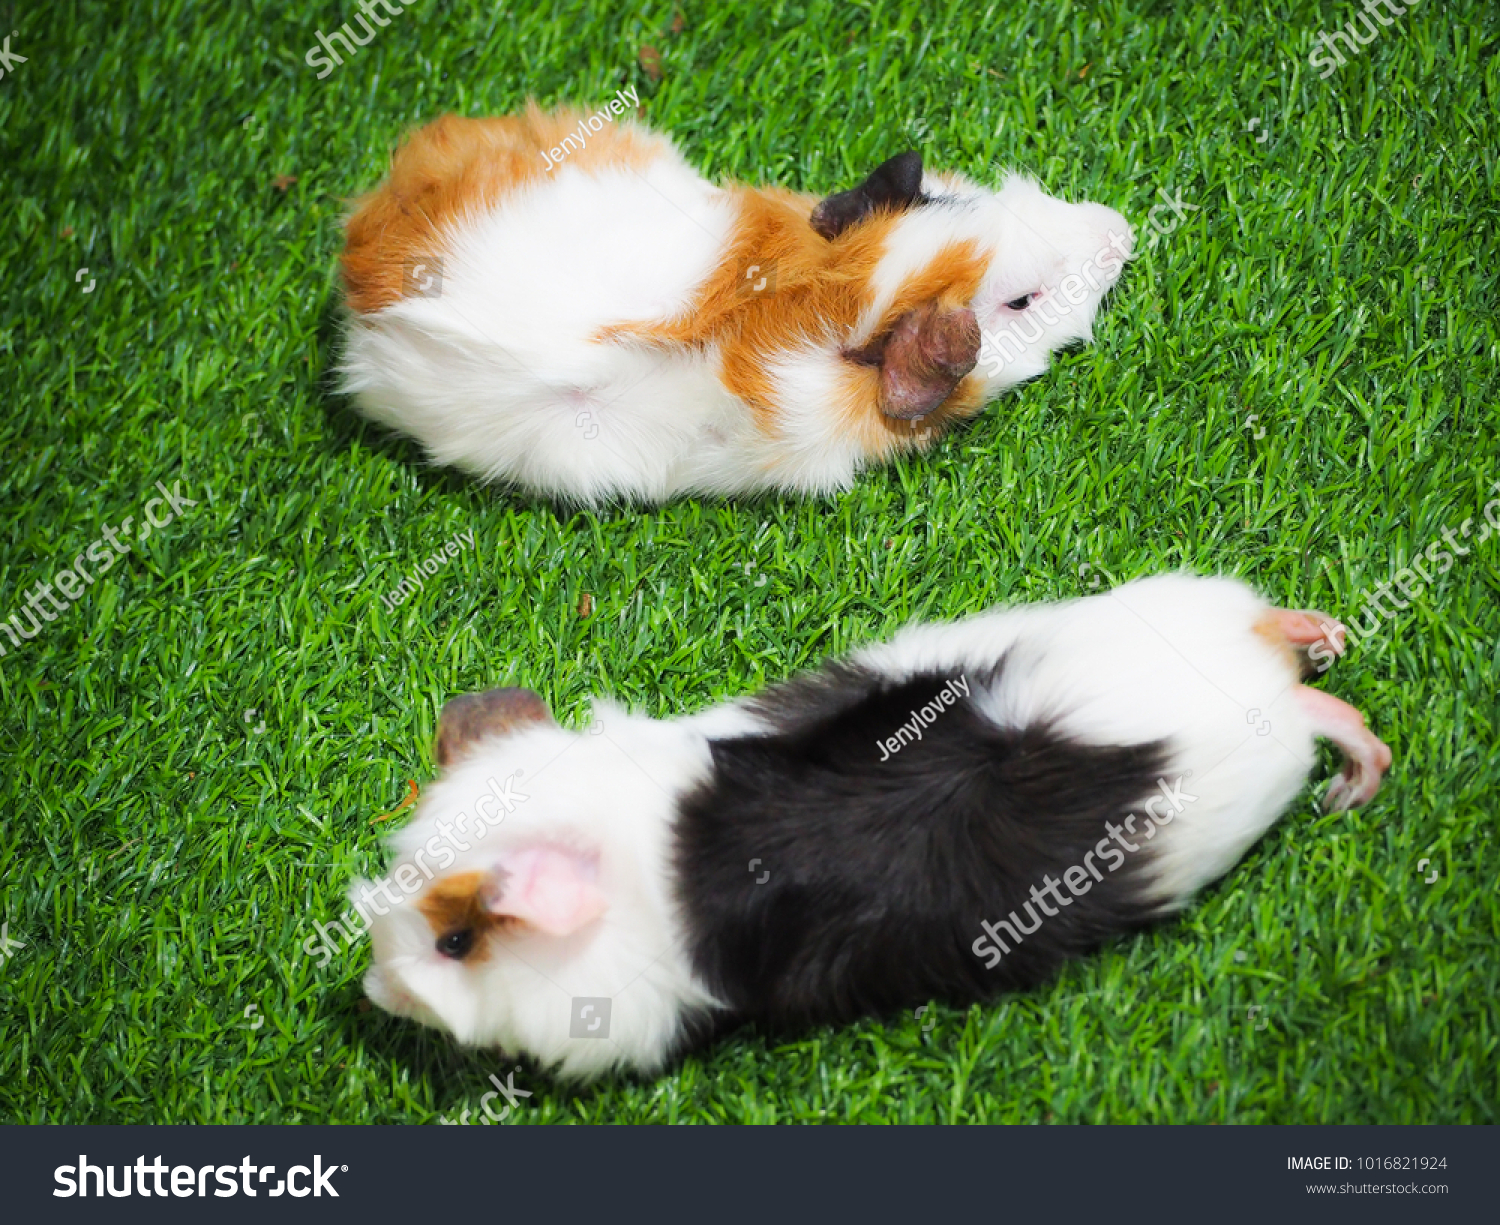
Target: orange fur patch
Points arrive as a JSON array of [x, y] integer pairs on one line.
[[822, 288], [1268, 628], [452, 904], [881, 437], [454, 166], [951, 280]]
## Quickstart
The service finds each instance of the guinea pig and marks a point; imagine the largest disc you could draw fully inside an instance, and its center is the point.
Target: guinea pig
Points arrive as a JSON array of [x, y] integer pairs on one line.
[[573, 309], [947, 816]]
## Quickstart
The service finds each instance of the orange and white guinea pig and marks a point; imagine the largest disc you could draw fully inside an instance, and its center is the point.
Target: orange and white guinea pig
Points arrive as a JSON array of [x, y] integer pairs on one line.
[[563, 303]]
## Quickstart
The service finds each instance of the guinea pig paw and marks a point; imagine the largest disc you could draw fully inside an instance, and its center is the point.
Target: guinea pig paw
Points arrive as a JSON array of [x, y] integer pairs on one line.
[[1315, 638], [1336, 797], [1366, 758], [1360, 778], [1305, 627]]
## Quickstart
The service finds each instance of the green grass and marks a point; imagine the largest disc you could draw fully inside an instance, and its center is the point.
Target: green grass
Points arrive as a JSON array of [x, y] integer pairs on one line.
[[162, 857]]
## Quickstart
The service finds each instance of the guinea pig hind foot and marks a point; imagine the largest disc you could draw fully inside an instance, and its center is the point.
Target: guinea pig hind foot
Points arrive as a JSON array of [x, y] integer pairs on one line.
[[1366, 759]]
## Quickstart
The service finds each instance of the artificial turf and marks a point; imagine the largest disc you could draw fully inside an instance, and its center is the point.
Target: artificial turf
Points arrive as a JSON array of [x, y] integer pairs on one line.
[[1296, 384]]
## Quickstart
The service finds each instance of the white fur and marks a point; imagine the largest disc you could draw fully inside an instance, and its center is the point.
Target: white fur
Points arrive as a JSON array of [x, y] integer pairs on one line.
[[610, 792], [500, 374], [1171, 658], [1034, 243]]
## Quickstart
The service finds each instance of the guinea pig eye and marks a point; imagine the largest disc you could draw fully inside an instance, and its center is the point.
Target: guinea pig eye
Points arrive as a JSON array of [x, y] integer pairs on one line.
[[1021, 303], [456, 944]]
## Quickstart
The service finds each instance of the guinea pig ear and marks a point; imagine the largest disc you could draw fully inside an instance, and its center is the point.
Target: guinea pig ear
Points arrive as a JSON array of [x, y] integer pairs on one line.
[[547, 887], [921, 359], [473, 716], [895, 184]]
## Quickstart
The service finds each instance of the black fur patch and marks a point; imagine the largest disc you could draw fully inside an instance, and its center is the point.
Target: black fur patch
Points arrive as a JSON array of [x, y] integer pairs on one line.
[[820, 884], [893, 185]]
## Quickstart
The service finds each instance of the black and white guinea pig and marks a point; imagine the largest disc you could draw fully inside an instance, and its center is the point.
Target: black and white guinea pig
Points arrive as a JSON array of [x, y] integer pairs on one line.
[[944, 816], [580, 313]]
